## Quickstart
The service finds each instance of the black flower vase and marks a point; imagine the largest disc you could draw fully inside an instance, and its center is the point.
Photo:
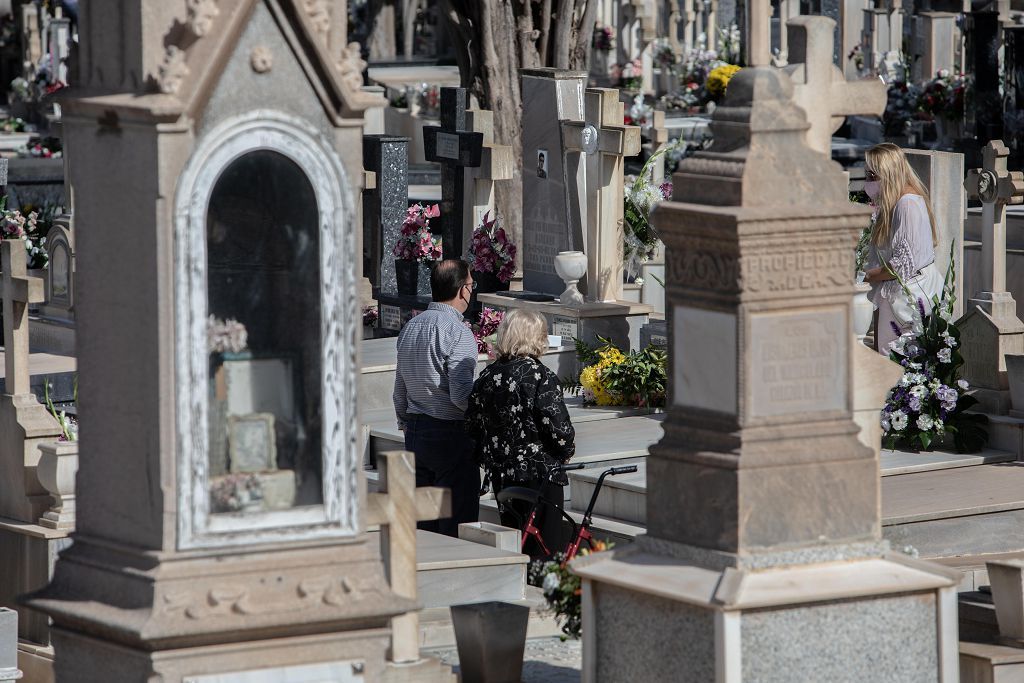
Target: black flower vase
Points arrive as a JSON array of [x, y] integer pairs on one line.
[[487, 283], [407, 277]]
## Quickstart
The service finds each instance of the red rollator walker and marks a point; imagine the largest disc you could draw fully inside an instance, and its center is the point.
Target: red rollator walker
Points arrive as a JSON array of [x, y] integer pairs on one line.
[[581, 531]]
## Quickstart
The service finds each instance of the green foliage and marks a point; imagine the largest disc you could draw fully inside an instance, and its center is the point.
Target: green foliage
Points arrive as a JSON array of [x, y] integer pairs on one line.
[[641, 379]]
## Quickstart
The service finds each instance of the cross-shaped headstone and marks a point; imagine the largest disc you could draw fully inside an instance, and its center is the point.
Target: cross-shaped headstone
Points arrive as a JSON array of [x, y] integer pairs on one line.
[[994, 187], [603, 138], [455, 147], [396, 507], [820, 87], [496, 163], [18, 292]]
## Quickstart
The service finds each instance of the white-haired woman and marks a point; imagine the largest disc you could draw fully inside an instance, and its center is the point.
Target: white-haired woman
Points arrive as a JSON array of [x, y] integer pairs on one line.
[[903, 240], [517, 416]]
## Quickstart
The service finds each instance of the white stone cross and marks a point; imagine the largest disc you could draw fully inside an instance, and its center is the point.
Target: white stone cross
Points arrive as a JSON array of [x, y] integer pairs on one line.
[[820, 87], [606, 141], [397, 507], [18, 292], [995, 187], [496, 163]]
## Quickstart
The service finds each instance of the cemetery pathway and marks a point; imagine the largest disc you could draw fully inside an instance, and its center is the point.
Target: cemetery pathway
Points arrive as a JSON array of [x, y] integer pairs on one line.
[[546, 660]]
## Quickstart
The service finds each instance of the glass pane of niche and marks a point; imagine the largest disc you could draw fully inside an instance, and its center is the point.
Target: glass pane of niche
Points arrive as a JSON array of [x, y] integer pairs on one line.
[[263, 292]]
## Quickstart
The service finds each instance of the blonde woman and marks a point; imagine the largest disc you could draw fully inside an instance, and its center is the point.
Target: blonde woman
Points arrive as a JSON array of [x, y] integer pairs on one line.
[[518, 418], [903, 240]]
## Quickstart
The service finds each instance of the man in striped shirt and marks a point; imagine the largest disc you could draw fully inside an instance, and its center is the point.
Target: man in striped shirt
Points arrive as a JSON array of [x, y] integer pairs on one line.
[[433, 379]]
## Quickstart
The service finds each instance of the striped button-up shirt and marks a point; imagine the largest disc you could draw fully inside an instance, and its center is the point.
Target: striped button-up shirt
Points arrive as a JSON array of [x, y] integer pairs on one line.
[[436, 364]]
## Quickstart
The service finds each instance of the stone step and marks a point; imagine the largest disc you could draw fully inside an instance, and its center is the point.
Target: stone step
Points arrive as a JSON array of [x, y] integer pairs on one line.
[[964, 511], [893, 463], [377, 368], [451, 571]]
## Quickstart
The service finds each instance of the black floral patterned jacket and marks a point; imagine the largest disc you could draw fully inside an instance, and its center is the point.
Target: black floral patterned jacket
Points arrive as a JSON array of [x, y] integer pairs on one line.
[[519, 420]]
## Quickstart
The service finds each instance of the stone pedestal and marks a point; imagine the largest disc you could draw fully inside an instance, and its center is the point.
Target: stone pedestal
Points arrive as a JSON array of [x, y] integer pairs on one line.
[[987, 334], [24, 425], [763, 558]]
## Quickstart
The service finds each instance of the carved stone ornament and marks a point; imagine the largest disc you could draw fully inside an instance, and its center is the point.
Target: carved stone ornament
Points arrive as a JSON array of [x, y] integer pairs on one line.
[[319, 15], [589, 140], [201, 14], [172, 70], [987, 187], [351, 65], [261, 59]]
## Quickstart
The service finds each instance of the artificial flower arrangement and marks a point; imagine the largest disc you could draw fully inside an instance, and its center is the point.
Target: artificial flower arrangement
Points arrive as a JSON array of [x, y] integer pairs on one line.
[[370, 316], [901, 107], [485, 331], [640, 197], [562, 589], [943, 96], [14, 225], [718, 79], [629, 75], [416, 243], [613, 378], [603, 39], [226, 336], [234, 492], [639, 113], [930, 402], [491, 250], [663, 54]]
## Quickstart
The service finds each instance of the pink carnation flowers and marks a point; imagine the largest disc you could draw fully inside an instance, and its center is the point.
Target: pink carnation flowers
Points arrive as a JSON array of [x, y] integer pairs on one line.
[[416, 242], [491, 250]]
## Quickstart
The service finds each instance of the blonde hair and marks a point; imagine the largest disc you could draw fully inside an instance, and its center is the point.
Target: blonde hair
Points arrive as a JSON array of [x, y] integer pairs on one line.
[[895, 178], [522, 333]]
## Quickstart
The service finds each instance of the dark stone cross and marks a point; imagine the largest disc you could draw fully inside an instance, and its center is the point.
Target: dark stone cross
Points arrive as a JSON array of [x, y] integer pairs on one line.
[[454, 147]]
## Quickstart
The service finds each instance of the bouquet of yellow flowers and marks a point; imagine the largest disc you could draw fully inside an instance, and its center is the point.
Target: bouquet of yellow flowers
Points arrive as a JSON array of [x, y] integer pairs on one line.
[[613, 378], [718, 79], [595, 388]]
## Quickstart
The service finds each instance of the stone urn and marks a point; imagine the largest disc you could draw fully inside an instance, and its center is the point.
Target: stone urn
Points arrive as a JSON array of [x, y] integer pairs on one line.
[[571, 266], [58, 464], [863, 310]]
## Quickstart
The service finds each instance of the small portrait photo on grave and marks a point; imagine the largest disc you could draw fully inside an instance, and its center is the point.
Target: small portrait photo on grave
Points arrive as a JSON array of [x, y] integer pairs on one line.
[[542, 163]]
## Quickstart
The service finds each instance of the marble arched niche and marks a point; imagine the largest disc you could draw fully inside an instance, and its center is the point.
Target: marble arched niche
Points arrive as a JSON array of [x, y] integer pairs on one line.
[[264, 233]]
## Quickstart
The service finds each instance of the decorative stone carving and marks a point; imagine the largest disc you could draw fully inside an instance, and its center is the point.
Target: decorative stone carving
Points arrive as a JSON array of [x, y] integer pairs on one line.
[[201, 14], [172, 70], [261, 59], [319, 14], [351, 65]]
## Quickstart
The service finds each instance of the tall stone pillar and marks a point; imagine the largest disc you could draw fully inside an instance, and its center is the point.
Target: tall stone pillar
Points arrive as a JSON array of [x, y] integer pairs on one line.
[[763, 559]]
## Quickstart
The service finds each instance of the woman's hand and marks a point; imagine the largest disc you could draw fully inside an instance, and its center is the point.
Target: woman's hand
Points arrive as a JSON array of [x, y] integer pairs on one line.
[[875, 275]]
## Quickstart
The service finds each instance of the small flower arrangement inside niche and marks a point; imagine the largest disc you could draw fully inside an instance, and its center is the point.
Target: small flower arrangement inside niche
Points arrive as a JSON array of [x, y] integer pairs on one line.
[[562, 590], [930, 402], [226, 336], [234, 492], [943, 96], [14, 225], [416, 242], [613, 378], [370, 316], [492, 255], [485, 331]]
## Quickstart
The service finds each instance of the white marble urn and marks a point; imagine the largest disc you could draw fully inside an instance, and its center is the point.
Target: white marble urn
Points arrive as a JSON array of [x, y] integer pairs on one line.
[[863, 310], [58, 464], [571, 266]]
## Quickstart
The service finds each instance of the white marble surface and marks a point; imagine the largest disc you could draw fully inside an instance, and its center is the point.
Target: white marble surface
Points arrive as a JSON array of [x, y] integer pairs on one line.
[[899, 462]]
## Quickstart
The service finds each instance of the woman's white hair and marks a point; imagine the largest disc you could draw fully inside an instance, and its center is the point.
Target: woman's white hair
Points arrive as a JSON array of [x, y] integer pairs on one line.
[[522, 333]]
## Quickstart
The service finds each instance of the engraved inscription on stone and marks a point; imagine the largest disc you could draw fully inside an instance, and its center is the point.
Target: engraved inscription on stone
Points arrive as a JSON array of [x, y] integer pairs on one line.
[[565, 326], [448, 145], [797, 363], [391, 318]]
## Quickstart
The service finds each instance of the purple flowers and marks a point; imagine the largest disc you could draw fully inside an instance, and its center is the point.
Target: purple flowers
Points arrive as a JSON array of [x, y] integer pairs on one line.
[[416, 243], [491, 250]]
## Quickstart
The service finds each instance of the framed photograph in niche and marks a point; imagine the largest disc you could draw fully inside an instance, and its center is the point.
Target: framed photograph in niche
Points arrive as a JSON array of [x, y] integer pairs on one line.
[[252, 443]]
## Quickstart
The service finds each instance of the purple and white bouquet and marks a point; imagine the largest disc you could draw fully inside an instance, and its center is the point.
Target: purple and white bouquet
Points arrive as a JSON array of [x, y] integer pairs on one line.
[[491, 250], [930, 402], [416, 243]]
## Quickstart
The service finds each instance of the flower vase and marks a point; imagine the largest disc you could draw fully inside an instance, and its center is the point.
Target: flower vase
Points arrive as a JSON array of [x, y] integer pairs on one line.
[[407, 277], [58, 463], [863, 310], [571, 266], [487, 283]]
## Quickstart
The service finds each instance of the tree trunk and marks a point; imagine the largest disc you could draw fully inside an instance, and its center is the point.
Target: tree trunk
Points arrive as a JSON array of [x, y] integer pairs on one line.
[[489, 65]]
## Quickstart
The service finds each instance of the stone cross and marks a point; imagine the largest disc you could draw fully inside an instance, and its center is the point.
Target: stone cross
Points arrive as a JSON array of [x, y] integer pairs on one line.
[[606, 141], [455, 147], [496, 163], [994, 187], [820, 88], [18, 292], [397, 507]]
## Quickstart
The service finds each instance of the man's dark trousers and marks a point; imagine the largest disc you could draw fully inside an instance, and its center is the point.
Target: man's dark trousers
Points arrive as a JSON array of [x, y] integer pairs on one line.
[[444, 457]]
